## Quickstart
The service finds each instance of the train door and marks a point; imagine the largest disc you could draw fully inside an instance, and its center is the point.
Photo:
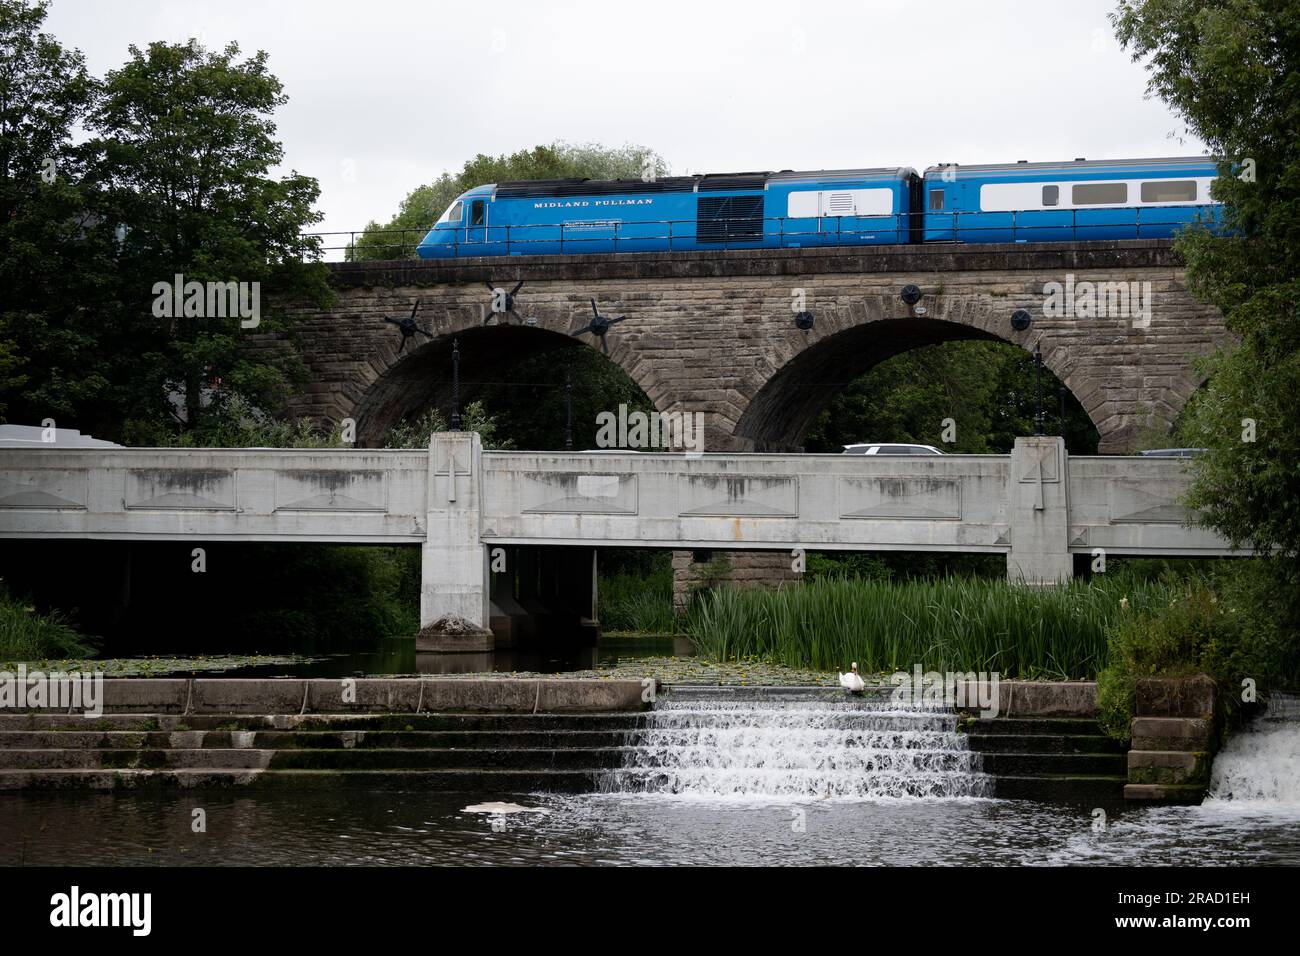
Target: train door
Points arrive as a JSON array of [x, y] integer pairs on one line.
[[476, 220]]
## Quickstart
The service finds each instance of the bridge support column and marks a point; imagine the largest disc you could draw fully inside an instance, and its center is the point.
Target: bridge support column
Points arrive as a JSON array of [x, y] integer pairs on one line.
[[454, 573], [1038, 512]]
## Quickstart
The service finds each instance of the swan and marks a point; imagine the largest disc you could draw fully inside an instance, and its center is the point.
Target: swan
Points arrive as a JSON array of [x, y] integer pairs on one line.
[[851, 681]]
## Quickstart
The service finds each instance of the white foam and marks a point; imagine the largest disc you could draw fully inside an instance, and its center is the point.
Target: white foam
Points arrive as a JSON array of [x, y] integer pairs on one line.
[[800, 749]]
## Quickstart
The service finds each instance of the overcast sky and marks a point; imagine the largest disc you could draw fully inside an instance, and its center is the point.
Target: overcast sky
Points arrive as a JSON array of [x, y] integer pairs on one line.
[[386, 94]]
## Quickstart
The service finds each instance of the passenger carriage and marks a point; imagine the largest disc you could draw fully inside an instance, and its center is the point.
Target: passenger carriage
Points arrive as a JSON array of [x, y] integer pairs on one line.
[[1058, 202]]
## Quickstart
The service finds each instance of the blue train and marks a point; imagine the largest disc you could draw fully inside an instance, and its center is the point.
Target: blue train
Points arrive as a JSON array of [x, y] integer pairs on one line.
[[1009, 202]]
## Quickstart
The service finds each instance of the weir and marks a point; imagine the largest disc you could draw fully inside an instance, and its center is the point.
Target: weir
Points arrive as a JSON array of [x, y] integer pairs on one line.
[[800, 744], [1260, 766]]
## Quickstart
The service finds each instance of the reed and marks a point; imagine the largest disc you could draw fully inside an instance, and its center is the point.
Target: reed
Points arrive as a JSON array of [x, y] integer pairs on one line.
[[26, 635], [638, 602], [948, 624]]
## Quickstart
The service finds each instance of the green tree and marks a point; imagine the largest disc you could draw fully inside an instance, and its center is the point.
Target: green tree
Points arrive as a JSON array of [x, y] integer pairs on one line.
[[50, 261], [985, 388], [1231, 70], [182, 158], [421, 209], [531, 406]]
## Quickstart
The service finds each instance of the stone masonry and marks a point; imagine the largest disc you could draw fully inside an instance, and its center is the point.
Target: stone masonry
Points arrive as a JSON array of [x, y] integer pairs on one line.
[[737, 568], [714, 331]]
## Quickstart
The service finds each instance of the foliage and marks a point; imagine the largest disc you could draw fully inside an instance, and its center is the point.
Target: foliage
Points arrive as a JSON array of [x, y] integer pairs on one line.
[[950, 624], [186, 144], [422, 207], [639, 602], [174, 179], [531, 407], [1209, 624], [1171, 640], [417, 432], [904, 565], [1231, 70], [236, 424], [986, 388], [26, 635], [50, 365]]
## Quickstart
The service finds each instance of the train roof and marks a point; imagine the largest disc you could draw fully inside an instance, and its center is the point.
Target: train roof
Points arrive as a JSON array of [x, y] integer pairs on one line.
[[787, 175], [700, 182], [1067, 165]]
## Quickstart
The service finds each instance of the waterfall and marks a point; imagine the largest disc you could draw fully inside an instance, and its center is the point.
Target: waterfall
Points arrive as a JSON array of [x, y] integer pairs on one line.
[[788, 746], [1261, 764]]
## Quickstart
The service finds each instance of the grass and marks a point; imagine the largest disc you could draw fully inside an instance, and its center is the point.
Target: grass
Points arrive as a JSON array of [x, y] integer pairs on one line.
[[26, 635], [638, 602], [946, 624]]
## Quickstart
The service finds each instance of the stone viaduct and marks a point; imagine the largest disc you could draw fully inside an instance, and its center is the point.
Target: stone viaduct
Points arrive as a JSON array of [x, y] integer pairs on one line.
[[714, 332]]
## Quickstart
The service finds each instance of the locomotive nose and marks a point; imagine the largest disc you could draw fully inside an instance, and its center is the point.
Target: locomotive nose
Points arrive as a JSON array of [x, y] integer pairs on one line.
[[437, 244]]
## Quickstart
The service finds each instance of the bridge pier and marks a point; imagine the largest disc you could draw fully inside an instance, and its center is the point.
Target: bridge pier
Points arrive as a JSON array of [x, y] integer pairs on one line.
[[454, 573], [468, 599], [1038, 512]]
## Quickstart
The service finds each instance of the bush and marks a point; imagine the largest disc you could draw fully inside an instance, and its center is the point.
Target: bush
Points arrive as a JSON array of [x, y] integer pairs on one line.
[[1203, 628]]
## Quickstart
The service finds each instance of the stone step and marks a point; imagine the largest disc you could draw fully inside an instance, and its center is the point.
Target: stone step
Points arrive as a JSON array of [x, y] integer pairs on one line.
[[1044, 743], [1060, 789], [1053, 764], [398, 758], [312, 739], [299, 759], [100, 759], [475, 782], [1165, 793], [1058, 726], [396, 722]]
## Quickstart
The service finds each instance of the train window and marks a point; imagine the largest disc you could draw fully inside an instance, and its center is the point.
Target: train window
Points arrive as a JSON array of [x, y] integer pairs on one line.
[[1051, 195], [1098, 194], [453, 213], [1169, 190], [936, 198], [478, 212], [804, 204]]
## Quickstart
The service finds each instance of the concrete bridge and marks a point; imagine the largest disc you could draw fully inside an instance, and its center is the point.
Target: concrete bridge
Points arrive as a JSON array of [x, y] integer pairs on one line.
[[506, 533], [714, 332]]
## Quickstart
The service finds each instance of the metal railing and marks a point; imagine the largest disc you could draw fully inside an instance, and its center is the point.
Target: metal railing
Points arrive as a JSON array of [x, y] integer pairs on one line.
[[1035, 225]]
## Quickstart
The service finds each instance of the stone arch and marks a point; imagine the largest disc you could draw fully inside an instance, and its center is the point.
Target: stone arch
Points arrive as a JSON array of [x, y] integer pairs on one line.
[[359, 370], [846, 342], [421, 376]]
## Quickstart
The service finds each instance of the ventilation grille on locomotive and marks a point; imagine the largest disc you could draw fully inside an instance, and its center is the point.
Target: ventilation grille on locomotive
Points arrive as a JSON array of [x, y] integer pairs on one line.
[[729, 218]]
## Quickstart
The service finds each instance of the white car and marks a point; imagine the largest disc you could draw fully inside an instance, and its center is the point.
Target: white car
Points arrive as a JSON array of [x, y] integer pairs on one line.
[[896, 448]]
